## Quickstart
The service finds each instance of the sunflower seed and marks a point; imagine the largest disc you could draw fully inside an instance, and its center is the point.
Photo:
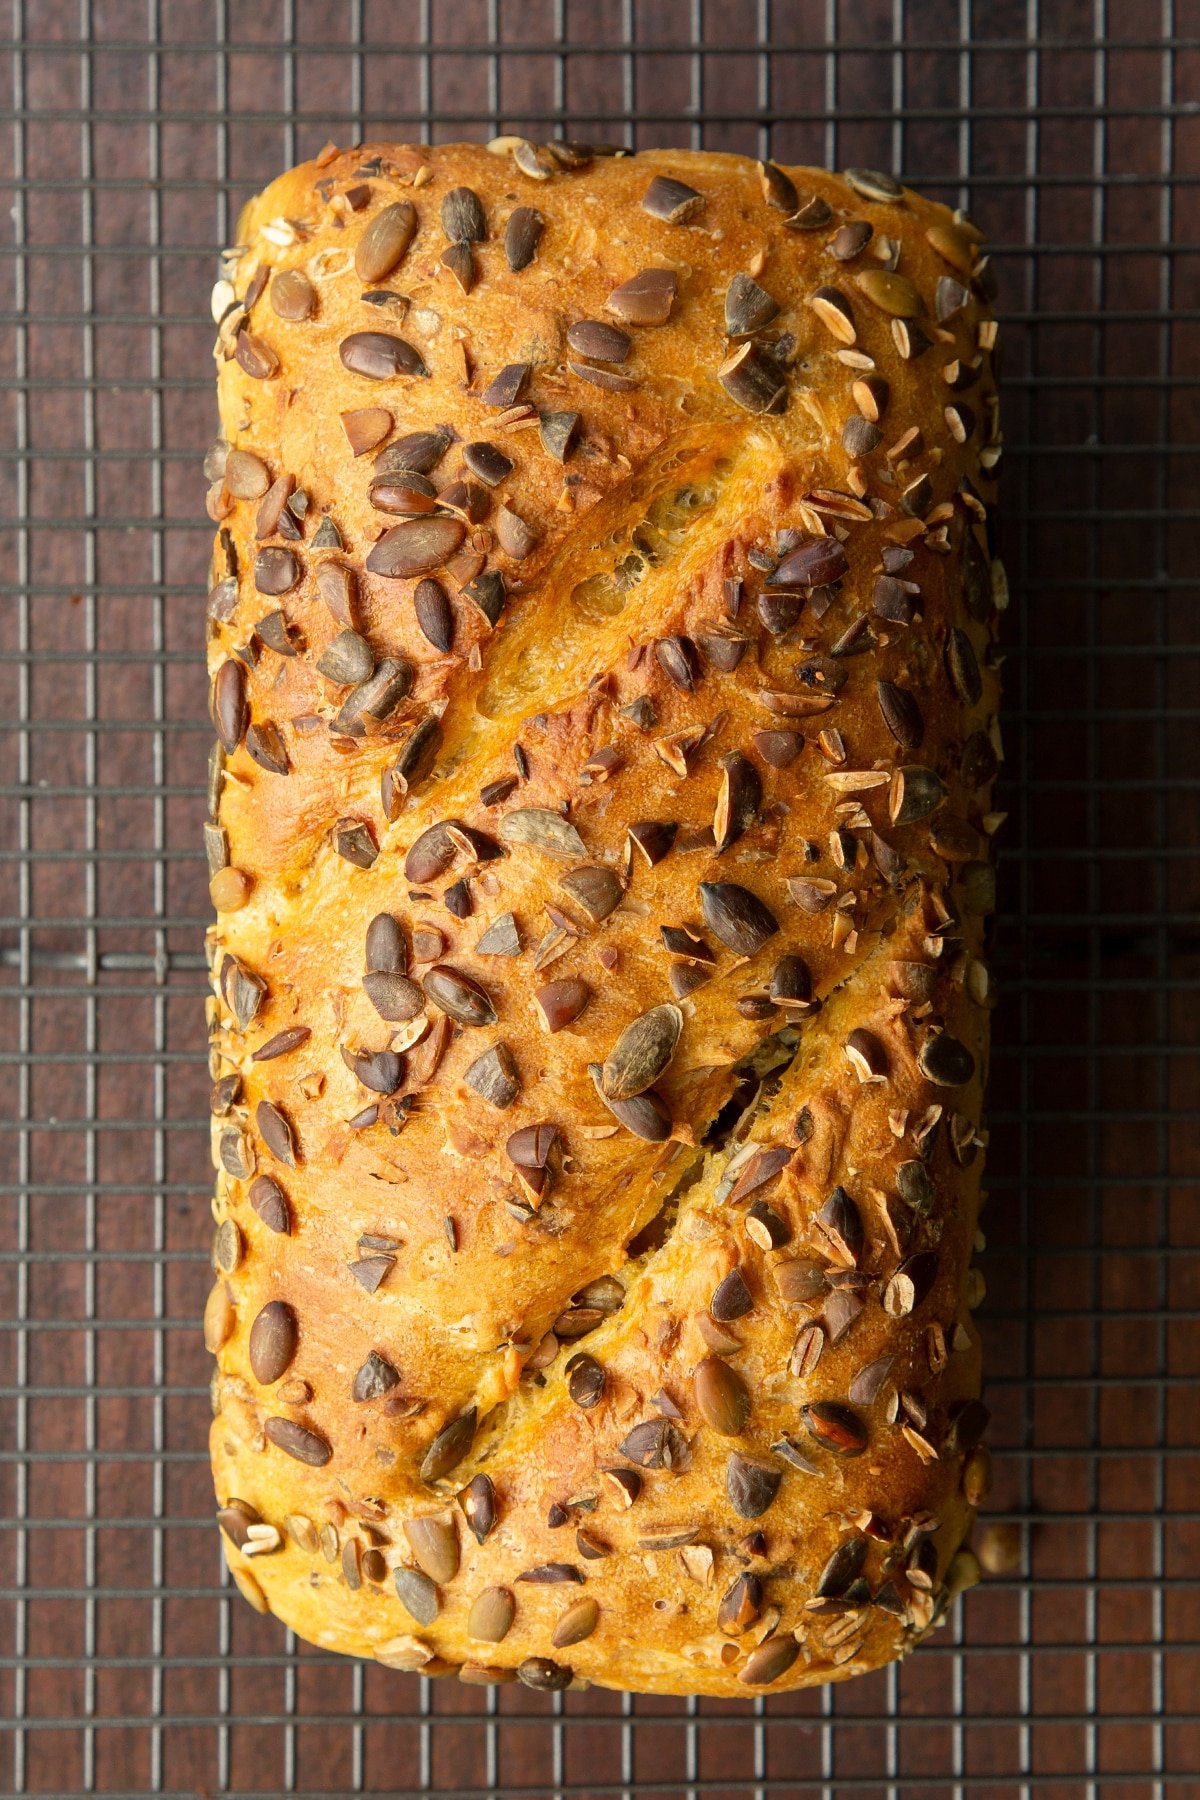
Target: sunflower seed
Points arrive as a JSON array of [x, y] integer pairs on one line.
[[672, 200], [417, 547], [901, 714], [645, 299], [488, 593], [494, 1077], [403, 495], [282, 1043], [748, 307], [274, 1339], [298, 1442], [522, 235], [738, 799], [642, 1052], [375, 1378], [779, 190], [835, 1426], [773, 1658], [867, 1056], [647, 1115], [264, 743], [946, 1061], [754, 380], [736, 916], [385, 240], [859, 436], [874, 184], [276, 1131], [741, 1605], [230, 708], [722, 1398], [541, 829], [419, 452], [460, 998], [557, 431], [751, 1485], [418, 1594], [348, 660]]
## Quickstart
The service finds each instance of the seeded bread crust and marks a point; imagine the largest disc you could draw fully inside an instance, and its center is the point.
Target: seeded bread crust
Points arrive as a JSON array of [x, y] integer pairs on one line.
[[695, 1410]]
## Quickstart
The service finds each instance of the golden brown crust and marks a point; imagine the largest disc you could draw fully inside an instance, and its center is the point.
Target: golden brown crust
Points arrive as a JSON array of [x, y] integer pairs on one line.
[[694, 575]]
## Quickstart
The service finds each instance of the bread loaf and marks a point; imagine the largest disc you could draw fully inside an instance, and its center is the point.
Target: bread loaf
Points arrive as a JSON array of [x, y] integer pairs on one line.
[[601, 648]]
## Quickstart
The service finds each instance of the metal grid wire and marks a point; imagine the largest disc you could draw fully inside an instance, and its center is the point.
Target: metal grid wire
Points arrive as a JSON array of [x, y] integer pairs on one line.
[[137, 127]]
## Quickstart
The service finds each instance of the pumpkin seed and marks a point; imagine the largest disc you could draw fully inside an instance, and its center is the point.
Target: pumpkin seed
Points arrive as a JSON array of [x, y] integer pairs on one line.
[[449, 1447], [642, 1052], [434, 1542], [748, 307], [541, 829], [380, 355], [417, 547], [491, 1615], [418, 1594], [646, 1115], [385, 240], [375, 1378], [460, 998], [722, 1398]]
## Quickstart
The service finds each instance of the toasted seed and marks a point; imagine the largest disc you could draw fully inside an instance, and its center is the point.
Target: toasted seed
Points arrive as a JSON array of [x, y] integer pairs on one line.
[[219, 1317], [748, 307], [543, 1674], [522, 235], [380, 355], [478, 1502], [606, 343], [859, 436], [833, 310], [348, 660], [366, 427], [779, 190], [874, 184], [722, 1398], [731, 1298], [655, 1444], [672, 200], [371, 1272], [585, 1381], [386, 950], [336, 586], [434, 1542], [506, 388], [646, 1115], [642, 1052], [449, 1446], [494, 1077], [679, 662], [488, 593], [541, 829], [297, 1441], [235, 1519], [557, 432], [276, 1131], [867, 1055], [773, 1658], [891, 293], [230, 708], [417, 547], [910, 1284], [394, 997], [270, 1203], [458, 996], [419, 452], [741, 1605], [837, 1427], [463, 217], [488, 462], [255, 357], [850, 240], [418, 1594], [901, 714], [491, 1615], [750, 1484], [653, 838], [915, 793], [560, 1003], [738, 799], [812, 212], [293, 296], [946, 1061], [282, 1044], [385, 240], [404, 494], [246, 476], [431, 854], [645, 299], [353, 841], [595, 889], [552, 1574], [276, 570], [910, 341], [736, 916], [754, 380], [274, 1339], [841, 1224], [375, 1378], [779, 748], [962, 666], [578, 1622], [264, 743], [818, 563]]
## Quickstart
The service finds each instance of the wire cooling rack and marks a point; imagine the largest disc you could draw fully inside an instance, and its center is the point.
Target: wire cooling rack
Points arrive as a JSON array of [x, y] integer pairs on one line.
[[136, 128]]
